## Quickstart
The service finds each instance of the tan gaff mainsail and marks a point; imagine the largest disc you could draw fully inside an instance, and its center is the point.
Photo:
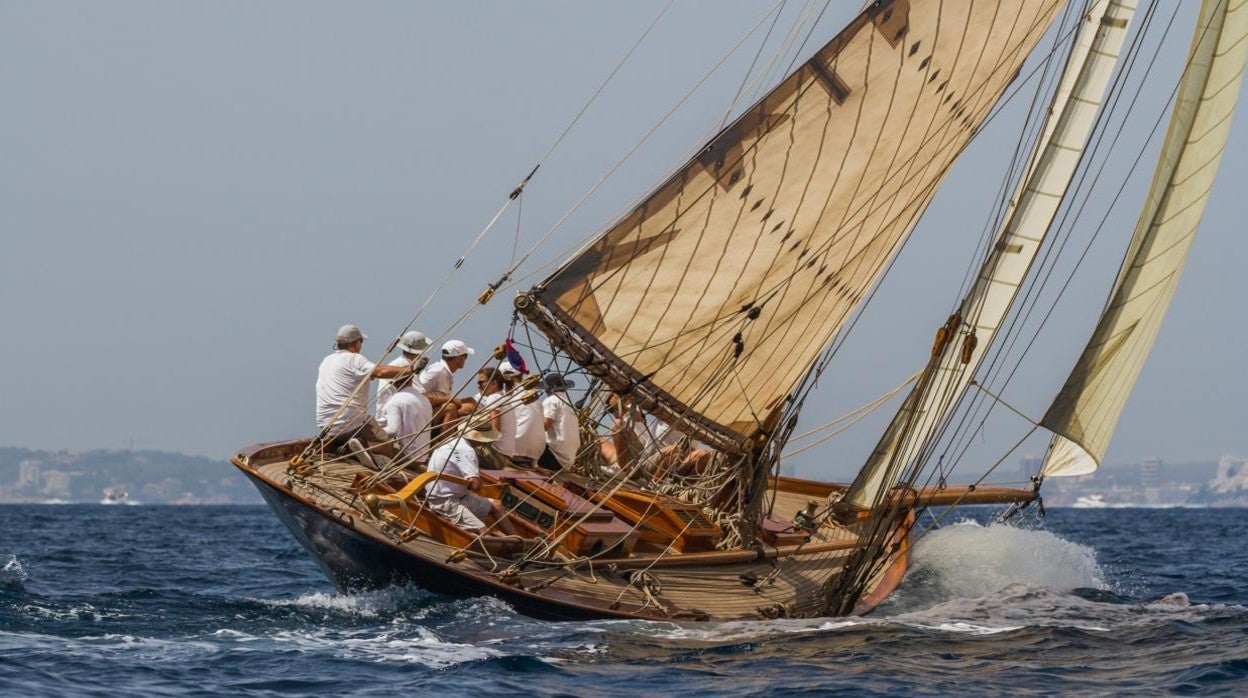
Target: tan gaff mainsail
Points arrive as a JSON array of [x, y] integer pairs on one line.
[[712, 299], [1085, 412], [1040, 190]]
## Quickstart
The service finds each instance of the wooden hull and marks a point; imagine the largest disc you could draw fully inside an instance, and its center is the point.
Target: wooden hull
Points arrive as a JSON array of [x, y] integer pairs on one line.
[[358, 552], [354, 561]]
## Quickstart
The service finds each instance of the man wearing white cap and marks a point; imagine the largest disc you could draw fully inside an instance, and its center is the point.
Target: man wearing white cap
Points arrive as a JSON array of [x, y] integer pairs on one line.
[[412, 344], [530, 431], [438, 381], [341, 397], [462, 505]]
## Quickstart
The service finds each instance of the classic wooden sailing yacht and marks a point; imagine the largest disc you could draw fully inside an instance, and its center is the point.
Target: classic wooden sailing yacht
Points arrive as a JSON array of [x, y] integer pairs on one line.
[[713, 307]]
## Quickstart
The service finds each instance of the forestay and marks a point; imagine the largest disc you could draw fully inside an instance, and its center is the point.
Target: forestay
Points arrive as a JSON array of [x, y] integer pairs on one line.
[[1085, 412], [712, 299], [1028, 220]]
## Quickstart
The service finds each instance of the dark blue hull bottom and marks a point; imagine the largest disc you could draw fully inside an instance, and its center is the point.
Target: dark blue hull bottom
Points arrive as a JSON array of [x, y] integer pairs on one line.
[[354, 562]]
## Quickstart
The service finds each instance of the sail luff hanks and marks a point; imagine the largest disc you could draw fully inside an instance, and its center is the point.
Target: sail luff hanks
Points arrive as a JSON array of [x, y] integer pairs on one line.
[[721, 288], [1086, 411]]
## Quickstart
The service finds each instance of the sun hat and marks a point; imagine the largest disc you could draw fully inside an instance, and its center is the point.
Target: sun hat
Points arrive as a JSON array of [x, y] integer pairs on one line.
[[481, 432], [455, 347], [555, 382], [413, 342]]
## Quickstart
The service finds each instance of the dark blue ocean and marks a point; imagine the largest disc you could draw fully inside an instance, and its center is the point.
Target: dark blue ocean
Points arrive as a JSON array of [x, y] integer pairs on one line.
[[109, 600]]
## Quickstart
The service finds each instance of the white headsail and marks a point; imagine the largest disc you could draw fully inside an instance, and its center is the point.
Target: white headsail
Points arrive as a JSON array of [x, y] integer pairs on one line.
[[711, 300], [1044, 182], [1085, 412]]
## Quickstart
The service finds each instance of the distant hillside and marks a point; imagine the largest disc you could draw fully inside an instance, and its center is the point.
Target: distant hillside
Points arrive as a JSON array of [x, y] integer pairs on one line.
[[147, 477]]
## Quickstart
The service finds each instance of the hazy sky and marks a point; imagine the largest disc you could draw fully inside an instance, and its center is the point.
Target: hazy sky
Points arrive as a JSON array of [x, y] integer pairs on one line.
[[194, 196]]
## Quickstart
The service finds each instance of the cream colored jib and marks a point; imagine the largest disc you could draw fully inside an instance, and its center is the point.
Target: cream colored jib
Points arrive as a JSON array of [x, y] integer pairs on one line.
[[1085, 412], [718, 292], [1040, 190]]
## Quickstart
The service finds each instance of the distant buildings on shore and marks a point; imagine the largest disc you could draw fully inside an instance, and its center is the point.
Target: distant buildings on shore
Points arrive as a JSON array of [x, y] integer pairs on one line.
[[119, 477], [1149, 483]]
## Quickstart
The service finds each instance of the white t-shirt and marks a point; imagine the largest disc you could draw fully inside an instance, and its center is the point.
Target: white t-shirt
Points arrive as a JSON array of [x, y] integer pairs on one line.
[[338, 376], [530, 432], [564, 436], [406, 417], [385, 388], [506, 443], [437, 378], [655, 435], [455, 457]]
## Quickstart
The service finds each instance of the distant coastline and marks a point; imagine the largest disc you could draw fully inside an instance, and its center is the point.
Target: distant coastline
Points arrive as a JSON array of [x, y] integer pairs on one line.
[[130, 477], [119, 477]]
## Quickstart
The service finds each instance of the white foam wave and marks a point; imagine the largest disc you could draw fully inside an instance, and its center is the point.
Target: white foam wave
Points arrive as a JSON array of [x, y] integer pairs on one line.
[[365, 604], [968, 560], [83, 611], [12, 574], [411, 644]]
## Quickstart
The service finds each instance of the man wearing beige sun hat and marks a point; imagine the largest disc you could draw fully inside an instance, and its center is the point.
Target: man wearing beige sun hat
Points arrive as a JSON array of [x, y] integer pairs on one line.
[[457, 457]]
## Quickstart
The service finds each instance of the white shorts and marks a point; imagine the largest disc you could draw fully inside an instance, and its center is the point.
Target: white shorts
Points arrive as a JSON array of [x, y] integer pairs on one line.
[[466, 511]]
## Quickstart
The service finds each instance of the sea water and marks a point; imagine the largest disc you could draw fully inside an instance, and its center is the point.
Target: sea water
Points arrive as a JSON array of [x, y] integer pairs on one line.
[[99, 600]]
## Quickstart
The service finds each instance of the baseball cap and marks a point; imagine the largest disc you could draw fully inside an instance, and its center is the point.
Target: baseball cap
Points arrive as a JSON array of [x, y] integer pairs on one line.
[[349, 333], [455, 347], [505, 368]]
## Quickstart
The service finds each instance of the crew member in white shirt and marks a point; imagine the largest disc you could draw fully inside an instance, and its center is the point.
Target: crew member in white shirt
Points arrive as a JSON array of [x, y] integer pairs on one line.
[[501, 409], [530, 430], [438, 383], [563, 436], [406, 418], [342, 397], [412, 344], [460, 504]]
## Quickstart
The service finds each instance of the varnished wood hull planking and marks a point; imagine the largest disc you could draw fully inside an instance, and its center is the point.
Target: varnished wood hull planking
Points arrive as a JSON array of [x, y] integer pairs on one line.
[[357, 555]]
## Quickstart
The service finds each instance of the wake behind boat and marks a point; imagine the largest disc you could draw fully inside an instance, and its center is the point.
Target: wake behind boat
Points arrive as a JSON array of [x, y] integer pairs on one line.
[[710, 311]]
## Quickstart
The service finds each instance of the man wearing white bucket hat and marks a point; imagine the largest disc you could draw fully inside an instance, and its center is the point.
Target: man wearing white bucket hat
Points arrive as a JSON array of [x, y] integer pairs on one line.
[[412, 344]]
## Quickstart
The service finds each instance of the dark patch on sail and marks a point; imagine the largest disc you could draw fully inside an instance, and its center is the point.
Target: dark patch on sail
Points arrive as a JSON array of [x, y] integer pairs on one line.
[[827, 77], [891, 19], [729, 147]]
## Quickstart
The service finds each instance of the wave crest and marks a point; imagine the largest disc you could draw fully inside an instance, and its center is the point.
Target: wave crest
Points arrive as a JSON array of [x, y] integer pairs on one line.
[[968, 560], [13, 575]]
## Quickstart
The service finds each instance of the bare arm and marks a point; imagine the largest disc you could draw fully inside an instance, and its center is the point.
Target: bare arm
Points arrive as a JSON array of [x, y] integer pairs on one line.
[[383, 371]]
